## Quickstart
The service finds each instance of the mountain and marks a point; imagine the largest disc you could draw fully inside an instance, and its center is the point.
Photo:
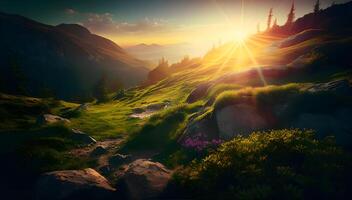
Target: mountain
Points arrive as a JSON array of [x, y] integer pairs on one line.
[[172, 52], [65, 60], [268, 119]]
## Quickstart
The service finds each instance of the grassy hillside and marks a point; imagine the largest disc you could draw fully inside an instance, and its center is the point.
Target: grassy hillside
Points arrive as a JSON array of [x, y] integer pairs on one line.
[[176, 120]]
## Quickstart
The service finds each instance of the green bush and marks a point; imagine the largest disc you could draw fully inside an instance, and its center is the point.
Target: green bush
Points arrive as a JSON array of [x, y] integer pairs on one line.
[[161, 129], [281, 164]]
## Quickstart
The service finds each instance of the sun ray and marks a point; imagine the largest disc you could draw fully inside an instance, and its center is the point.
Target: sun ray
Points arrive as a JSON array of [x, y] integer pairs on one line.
[[256, 64]]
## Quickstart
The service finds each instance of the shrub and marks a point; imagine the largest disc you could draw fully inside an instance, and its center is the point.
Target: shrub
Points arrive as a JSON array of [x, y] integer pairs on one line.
[[161, 129], [280, 164]]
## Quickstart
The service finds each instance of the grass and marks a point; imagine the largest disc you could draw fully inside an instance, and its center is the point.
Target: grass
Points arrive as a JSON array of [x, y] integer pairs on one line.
[[111, 119], [261, 96], [20, 112], [278, 164], [42, 149], [161, 129]]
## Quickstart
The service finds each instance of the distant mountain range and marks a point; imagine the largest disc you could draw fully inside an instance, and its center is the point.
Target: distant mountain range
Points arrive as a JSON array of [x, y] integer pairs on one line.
[[66, 60], [171, 52]]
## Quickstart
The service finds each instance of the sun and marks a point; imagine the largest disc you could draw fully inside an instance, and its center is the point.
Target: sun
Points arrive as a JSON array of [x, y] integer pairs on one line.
[[240, 36]]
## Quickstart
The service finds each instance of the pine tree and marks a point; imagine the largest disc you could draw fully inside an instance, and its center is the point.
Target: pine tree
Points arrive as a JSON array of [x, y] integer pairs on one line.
[[100, 90], [270, 16], [317, 6], [291, 16], [275, 23]]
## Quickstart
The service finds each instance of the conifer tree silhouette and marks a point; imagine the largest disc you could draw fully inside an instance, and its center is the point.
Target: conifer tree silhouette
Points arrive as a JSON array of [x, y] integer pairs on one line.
[[270, 16], [291, 16], [317, 6]]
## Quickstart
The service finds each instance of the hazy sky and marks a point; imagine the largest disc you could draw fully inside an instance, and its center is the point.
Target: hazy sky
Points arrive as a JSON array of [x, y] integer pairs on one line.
[[130, 22]]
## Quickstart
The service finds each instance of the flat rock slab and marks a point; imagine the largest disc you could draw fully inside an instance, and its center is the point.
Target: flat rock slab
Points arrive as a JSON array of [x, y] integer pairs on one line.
[[73, 184]]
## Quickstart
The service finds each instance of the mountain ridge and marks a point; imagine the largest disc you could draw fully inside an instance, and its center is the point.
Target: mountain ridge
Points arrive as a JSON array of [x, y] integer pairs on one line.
[[75, 53]]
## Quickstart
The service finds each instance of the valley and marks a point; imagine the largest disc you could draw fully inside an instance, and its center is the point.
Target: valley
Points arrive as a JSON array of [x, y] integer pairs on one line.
[[265, 117]]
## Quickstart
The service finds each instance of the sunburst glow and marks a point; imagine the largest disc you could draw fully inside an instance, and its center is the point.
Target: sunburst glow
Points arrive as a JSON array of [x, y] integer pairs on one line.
[[240, 36]]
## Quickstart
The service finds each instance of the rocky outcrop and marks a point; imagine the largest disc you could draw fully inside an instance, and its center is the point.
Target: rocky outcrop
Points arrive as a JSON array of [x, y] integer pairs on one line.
[[238, 119], [339, 86], [99, 150], [144, 179], [82, 137], [201, 123], [73, 184], [339, 124], [51, 119]]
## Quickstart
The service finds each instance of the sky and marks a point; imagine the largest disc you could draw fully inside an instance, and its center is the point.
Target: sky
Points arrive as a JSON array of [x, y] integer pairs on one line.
[[130, 22]]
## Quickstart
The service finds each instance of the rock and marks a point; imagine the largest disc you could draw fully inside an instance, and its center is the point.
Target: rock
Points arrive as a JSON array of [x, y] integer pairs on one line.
[[144, 179], [156, 106], [50, 119], [73, 184], [338, 124], [138, 110], [119, 159], [238, 119], [99, 150], [199, 124], [340, 87], [82, 137]]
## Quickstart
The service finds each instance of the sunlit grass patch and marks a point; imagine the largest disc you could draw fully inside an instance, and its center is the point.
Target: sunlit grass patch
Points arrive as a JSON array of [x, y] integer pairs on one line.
[[161, 129], [260, 96]]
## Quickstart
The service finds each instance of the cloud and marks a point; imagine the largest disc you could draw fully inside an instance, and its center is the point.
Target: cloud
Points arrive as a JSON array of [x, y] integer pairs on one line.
[[70, 11], [105, 23]]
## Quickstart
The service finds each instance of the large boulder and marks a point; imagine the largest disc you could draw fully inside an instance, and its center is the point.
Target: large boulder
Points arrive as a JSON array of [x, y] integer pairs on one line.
[[203, 124], [50, 119], [238, 119], [73, 184], [82, 137], [338, 124], [144, 179]]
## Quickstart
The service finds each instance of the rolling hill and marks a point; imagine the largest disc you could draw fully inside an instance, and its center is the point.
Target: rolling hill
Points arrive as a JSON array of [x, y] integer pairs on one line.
[[65, 60], [265, 118]]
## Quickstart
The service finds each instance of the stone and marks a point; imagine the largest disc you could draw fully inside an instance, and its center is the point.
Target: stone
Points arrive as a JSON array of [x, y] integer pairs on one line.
[[238, 119], [50, 119], [82, 137], [119, 159], [339, 86], [99, 150], [144, 179], [73, 184], [337, 124]]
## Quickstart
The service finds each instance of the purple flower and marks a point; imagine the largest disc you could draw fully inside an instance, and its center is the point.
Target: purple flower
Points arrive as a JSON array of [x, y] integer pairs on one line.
[[199, 142]]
